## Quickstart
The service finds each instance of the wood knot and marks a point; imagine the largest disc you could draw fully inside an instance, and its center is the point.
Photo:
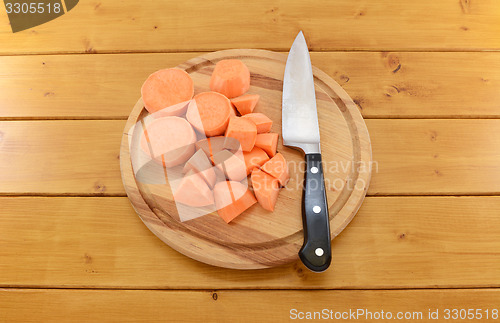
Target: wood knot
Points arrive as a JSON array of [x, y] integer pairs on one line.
[[214, 296], [359, 13], [273, 9], [391, 91], [274, 12], [358, 102], [465, 5], [87, 258], [437, 172], [98, 187], [88, 47], [393, 63], [344, 78], [402, 236], [433, 135], [464, 28], [299, 270]]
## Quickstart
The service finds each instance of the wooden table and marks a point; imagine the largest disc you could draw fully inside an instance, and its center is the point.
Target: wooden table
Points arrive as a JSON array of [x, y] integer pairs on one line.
[[425, 75]]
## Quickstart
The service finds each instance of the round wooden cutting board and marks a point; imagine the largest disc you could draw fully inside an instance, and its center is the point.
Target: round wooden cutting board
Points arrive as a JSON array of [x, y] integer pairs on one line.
[[259, 238]]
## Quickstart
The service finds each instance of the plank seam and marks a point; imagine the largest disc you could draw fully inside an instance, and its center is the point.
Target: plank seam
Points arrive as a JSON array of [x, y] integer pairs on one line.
[[124, 118], [55, 287], [279, 50], [17, 194], [63, 118]]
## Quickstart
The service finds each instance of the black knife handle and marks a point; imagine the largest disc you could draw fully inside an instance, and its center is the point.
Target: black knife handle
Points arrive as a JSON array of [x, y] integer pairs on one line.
[[316, 251]]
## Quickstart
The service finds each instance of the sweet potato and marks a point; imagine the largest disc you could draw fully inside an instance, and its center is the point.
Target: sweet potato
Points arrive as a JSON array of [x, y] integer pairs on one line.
[[245, 103], [166, 88], [255, 159], [232, 199], [193, 191], [268, 142], [178, 109], [266, 189], [170, 140], [242, 130], [231, 165], [213, 145], [230, 77], [199, 163], [262, 122], [210, 115], [277, 168]]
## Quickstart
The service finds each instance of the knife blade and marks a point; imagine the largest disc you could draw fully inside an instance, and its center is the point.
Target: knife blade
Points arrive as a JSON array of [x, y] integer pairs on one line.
[[300, 130]]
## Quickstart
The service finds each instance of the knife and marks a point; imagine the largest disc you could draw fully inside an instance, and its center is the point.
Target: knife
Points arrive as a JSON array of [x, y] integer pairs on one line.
[[300, 130]]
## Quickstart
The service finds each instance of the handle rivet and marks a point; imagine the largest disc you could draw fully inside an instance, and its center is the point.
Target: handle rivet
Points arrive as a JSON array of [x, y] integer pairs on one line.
[[314, 170], [319, 252], [316, 209]]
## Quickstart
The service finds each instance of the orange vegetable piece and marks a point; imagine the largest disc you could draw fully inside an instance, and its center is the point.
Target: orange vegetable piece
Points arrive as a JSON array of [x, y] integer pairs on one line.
[[230, 77], [262, 122], [213, 145], [268, 142], [210, 115], [166, 88], [242, 130], [254, 159], [277, 168], [231, 165], [169, 140], [266, 189], [204, 145], [193, 191], [199, 163], [232, 199], [245, 103], [178, 109], [232, 112]]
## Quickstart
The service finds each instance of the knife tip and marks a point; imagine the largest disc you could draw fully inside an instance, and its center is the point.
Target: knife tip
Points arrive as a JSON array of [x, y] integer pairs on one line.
[[300, 38]]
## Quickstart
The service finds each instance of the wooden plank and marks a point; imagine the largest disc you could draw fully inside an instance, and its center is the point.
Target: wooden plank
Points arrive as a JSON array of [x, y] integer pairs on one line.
[[422, 85], [457, 157], [393, 85], [410, 157], [393, 242], [110, 26], [60, 157], [244, 306], [77, 86]]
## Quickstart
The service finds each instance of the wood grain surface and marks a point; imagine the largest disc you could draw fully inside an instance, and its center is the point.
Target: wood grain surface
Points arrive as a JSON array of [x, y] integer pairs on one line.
[[383, 84], [258, 238], [431, 61], [393, 242], [83, 159], [234, 305], [115, 26], [67, 158]]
